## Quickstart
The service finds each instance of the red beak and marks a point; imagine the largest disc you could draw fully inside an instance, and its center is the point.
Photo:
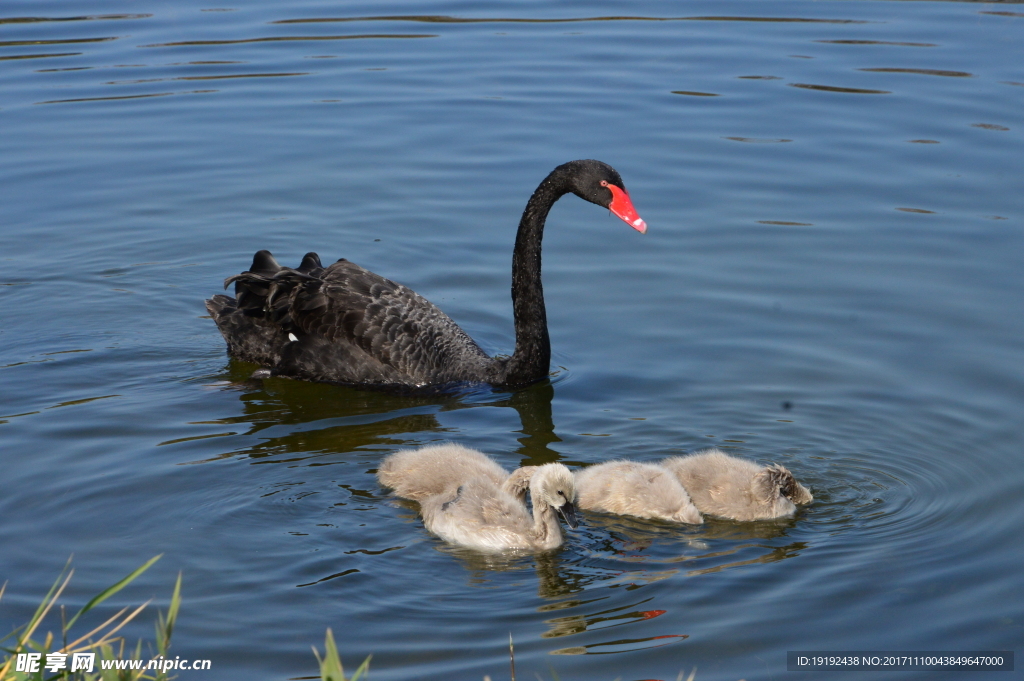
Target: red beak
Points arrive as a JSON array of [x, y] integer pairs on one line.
[[623, 209]]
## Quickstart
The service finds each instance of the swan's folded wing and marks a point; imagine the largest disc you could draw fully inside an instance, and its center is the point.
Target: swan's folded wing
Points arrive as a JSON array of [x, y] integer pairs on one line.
[[388, 321], [500, 510]]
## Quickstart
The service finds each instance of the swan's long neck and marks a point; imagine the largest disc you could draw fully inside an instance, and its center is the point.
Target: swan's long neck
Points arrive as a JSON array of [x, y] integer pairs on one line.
[[547, 533], [532, 357], [546, 530]]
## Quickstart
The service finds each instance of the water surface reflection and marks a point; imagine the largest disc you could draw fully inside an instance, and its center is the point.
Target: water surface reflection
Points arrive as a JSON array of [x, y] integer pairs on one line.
[[308, 420]]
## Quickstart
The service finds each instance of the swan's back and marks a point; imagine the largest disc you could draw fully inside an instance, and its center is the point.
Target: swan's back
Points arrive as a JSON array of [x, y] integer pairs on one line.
[[637, 489], [344, 324], [732, 487], [436, 469]]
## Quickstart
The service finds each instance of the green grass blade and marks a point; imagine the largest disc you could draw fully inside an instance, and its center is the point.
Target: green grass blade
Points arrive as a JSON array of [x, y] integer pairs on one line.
[[165, 627], [172, 613], [330, 666], [363, 669], [23, 633], [111, 590]]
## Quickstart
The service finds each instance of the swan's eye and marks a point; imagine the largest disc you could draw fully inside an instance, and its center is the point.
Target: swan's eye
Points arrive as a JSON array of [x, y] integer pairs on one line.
[[561, 494], [604, 183]]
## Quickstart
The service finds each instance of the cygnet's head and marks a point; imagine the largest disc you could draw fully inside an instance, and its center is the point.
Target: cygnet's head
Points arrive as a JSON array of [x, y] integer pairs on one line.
[[687, 513], [782, 483], [554, 485]]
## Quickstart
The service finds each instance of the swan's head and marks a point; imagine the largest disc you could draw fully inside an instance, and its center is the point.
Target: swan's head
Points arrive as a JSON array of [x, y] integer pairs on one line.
[[599, 183], [554, 485]]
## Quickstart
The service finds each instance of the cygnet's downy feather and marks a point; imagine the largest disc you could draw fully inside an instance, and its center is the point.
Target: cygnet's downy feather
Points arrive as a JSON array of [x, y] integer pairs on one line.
[[730, 487], [479, 505], [638, 489], [420, 473]]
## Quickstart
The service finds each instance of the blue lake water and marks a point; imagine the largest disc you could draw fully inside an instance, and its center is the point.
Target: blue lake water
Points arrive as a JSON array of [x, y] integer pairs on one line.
[[833, 279]]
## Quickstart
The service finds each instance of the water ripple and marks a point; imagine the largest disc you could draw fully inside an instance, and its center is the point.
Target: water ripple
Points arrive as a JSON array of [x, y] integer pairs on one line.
[[876, 42], [924, 72], [441, 19], [292, 38], [40, 56], [759, 140], [834, 88], [90, 17]]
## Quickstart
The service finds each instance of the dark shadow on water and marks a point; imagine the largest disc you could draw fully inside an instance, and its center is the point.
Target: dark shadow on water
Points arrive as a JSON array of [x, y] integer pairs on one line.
[[533, 404], [306, 420]]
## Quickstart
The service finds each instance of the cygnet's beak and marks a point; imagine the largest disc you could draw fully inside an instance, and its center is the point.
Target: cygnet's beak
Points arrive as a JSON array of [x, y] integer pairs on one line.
[[568, 513]]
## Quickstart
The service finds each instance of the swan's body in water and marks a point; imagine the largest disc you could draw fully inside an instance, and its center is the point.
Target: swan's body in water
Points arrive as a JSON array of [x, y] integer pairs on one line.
[[639, 489], [477, 507], [344, 324], [730, 487]]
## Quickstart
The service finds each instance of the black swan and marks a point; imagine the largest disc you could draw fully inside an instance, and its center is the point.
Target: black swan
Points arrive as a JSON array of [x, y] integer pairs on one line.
[[344, 324]]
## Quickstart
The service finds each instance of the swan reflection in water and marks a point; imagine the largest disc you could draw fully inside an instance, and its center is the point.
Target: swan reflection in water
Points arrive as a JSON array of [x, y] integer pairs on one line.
[[310, 420]]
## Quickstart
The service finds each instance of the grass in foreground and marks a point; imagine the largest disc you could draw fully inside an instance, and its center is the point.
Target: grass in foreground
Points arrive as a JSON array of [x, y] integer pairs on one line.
[[101, 640], [330, 665], [331, 669]]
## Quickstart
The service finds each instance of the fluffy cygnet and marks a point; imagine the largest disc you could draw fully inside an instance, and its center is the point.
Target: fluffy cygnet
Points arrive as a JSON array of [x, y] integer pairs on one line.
[[466, 498], [730, 487], [639, 489], [481, 515], [420, 473]]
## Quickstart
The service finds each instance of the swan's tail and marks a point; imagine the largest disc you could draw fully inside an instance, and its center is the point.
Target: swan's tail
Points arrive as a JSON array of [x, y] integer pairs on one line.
[[256, 323], [264, 290], [220, 306]]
